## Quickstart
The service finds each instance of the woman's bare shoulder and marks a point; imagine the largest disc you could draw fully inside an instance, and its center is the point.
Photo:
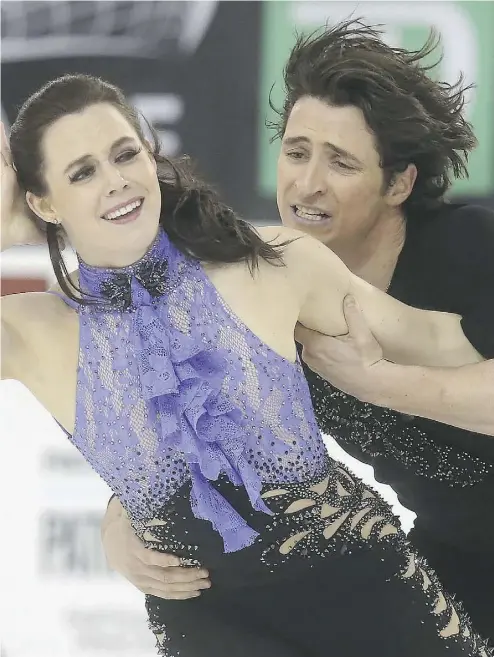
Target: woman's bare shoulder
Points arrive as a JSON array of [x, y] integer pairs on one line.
[[28, 319], [24, 303], [279, 234], [32, 309]]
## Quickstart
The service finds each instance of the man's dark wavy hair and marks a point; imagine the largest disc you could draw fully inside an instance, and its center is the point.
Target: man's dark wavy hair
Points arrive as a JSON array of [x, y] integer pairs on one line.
[[414, 119]]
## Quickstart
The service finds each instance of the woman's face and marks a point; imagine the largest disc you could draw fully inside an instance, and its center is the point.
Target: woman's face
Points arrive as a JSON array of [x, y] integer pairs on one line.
[[102, 186]]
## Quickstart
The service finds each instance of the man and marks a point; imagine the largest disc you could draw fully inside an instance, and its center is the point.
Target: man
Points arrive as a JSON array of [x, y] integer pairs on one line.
[[369, 144]]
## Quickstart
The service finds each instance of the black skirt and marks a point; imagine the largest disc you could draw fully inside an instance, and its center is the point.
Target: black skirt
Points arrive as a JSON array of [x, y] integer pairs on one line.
[[330, 575], [469, 574]]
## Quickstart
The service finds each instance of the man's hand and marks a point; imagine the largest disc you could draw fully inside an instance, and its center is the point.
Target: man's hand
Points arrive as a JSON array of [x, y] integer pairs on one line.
[[152, 572], [352, 362], [458, 396]]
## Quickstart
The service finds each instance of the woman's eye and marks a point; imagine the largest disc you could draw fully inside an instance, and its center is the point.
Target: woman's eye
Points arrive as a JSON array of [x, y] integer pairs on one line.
[[82, 174], [295, 155], [128, 155], [85, 172]]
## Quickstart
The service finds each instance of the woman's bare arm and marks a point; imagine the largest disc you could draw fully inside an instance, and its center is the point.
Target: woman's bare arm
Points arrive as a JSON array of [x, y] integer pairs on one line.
[[409, 336], [13, 342]]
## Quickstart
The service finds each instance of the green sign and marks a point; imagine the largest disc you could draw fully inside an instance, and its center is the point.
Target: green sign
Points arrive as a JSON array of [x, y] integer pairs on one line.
[[466, 30]]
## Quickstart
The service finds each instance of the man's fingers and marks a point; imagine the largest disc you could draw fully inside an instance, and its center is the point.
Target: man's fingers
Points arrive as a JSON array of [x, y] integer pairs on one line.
[[155, 573], [145, 583], [190, 587], [173, 573], [182, 575], [184, 595], [155, 558], [179, 595]]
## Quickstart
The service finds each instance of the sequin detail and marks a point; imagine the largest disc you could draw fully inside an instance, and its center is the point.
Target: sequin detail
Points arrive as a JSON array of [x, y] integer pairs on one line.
[[162, 637], [382, 432], [317, 517], [161, 534], [314, 520], [339, 513], [117, 289]]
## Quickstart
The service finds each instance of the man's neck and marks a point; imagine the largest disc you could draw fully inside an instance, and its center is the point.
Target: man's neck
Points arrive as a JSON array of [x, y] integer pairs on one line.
[[374, 258]]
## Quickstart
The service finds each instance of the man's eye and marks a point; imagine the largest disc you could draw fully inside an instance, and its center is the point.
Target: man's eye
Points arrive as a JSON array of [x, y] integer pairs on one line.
[[342, 165]]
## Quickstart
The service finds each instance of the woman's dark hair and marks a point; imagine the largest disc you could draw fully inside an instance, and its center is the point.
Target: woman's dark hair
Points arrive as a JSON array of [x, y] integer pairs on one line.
[[192, 215], [414, 119]]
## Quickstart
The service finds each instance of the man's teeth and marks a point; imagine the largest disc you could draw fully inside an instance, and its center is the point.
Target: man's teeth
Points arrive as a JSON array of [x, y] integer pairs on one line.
[[124, 210], [313, 215]]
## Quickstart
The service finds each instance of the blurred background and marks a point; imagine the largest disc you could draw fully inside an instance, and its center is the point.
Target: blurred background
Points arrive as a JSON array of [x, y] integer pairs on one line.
[[202, 73]]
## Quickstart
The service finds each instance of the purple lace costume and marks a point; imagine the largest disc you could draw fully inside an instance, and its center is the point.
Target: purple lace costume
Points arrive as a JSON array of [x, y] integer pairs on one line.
[[208, 438]]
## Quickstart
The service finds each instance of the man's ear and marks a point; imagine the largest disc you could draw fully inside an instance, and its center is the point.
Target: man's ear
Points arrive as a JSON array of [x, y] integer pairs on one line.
[[401, 186]]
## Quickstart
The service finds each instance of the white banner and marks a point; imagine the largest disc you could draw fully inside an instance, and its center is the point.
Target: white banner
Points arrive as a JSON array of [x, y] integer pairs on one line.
[[58, 597]]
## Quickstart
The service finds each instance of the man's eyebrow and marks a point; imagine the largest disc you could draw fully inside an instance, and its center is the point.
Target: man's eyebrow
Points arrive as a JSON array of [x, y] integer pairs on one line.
[[294, 141]]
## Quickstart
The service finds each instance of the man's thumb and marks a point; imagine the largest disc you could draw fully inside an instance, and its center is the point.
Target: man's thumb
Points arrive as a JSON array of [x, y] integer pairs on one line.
[[354, 317]]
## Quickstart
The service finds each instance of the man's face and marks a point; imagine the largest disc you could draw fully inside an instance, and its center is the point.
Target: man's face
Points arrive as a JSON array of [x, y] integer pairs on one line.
[[330, 184]]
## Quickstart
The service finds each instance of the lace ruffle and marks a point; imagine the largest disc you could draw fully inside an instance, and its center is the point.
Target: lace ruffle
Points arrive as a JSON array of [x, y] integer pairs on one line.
[[184, 380]]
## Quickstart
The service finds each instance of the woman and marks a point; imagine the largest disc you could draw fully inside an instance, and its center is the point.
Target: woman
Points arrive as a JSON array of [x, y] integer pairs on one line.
[[188, 399]]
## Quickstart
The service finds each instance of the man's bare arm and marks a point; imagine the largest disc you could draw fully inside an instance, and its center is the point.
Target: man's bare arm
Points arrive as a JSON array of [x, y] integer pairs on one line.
[[459, 396]]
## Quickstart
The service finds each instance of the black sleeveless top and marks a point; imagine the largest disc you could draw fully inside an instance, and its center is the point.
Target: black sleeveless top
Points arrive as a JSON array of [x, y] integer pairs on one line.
[[443, 474]]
